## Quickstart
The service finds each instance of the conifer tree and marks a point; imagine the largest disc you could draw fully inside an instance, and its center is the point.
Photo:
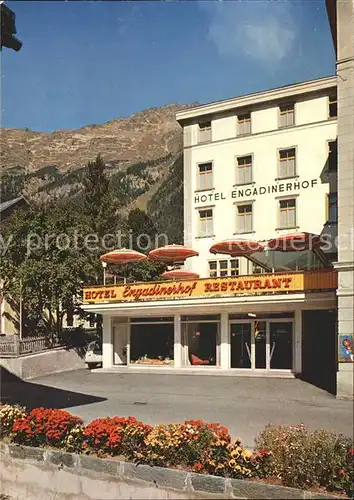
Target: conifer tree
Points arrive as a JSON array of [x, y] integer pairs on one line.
[[99, 205]]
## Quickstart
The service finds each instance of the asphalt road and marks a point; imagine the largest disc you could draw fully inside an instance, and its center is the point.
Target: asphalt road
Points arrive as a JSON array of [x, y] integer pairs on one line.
[[243, 404]]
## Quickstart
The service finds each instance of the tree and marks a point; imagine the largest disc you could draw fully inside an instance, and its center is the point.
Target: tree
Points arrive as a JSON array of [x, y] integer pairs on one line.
[[166, 204], [44, 264], [100, 212], [12, 184], [143, 238], [98, 202], [142, 230]]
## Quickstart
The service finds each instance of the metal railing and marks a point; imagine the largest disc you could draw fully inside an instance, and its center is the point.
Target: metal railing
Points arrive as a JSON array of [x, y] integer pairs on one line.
[[12, 346]]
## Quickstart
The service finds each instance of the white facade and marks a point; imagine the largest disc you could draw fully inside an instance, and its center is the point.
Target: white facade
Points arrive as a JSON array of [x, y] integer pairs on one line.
[[300, 188]]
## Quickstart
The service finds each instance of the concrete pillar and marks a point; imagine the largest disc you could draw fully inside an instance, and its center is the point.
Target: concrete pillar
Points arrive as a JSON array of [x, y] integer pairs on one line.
[[345, 374], [297, 362], [225, 349], [345, 189], [107, 342], [177, 351]]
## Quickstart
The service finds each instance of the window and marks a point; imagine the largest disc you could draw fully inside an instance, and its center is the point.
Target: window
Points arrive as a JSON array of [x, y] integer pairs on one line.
[[244, 169], [205, 131], [287, 115], [244, 219], [332, 156], [213, 268], [287, 163], [224, 268], [234, 267], [332, 106], [244, 124], [152, 343], [200, 340], [332, 215], [206, 222], [205, 176], [256, 269], [287, 217]]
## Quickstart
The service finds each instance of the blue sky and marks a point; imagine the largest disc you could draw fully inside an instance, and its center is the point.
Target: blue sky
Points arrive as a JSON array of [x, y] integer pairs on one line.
[[89, 62]]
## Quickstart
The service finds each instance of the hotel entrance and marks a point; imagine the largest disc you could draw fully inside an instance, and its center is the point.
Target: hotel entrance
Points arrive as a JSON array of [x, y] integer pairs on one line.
[[265, 344]]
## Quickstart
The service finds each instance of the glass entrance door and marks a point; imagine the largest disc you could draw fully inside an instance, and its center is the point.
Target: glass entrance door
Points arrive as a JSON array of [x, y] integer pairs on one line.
[[241, 345], [261, 344], [281, 345]]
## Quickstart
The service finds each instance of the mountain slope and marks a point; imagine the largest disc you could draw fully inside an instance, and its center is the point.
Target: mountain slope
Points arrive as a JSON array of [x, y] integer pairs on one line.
[[144, 136], [142, 154]]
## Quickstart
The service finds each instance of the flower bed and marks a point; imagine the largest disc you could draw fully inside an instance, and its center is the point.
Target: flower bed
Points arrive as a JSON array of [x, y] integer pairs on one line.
[[291, 456]]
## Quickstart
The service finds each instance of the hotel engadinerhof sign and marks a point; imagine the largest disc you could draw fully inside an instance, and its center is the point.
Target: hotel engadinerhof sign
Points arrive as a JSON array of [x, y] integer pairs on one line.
[[212, 287]]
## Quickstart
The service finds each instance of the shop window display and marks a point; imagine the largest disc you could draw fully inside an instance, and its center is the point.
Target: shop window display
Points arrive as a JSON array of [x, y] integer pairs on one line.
[[152, 344], [200, 341]]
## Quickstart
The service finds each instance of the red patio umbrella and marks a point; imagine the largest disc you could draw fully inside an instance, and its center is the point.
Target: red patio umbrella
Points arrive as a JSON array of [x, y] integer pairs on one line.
[[295, 242], [236, 247], [122, 256], [172, 253], [179, 274]]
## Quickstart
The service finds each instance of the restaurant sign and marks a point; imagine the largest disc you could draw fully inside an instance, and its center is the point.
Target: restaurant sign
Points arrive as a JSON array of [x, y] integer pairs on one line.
[[195, 288]]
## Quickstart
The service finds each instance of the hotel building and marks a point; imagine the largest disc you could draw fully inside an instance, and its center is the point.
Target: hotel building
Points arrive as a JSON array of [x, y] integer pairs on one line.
[[259, 166], [256, 167]]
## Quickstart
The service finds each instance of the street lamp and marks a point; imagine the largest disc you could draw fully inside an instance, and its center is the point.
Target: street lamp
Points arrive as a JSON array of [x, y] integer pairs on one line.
[[104, 265], [8, 29]]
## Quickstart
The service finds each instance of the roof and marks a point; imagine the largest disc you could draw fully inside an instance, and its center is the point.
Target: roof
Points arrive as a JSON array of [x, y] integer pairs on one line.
[[11, 203], [264, 96]]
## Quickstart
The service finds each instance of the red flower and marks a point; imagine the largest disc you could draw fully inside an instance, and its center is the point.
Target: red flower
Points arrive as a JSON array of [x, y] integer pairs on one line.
[[44, 426], [113, 435], [264, 453], [342, 472]]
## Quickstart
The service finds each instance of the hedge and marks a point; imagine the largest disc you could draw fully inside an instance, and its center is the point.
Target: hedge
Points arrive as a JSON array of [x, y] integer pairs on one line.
[[291, 455]]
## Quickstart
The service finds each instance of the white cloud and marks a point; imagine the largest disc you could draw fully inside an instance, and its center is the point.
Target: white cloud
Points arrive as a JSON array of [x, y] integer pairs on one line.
[[263, 30]]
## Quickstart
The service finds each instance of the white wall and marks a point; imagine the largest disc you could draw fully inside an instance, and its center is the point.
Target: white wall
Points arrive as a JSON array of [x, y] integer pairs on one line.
[[310, 141]]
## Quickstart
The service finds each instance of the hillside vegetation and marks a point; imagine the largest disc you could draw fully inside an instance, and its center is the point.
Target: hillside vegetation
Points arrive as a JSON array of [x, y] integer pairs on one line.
[[142, 155]]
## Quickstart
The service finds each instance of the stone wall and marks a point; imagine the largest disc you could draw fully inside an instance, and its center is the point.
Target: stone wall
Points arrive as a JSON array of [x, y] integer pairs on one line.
[[35, 473], [345, 265], [44, 363]]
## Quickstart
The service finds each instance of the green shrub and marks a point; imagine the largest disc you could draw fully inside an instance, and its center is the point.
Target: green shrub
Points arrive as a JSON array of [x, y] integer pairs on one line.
[[304, 459]]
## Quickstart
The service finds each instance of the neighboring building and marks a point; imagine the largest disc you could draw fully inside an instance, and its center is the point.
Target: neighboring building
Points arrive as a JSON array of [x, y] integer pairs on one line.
[[341, 19], [258, 166], [8, 207]]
